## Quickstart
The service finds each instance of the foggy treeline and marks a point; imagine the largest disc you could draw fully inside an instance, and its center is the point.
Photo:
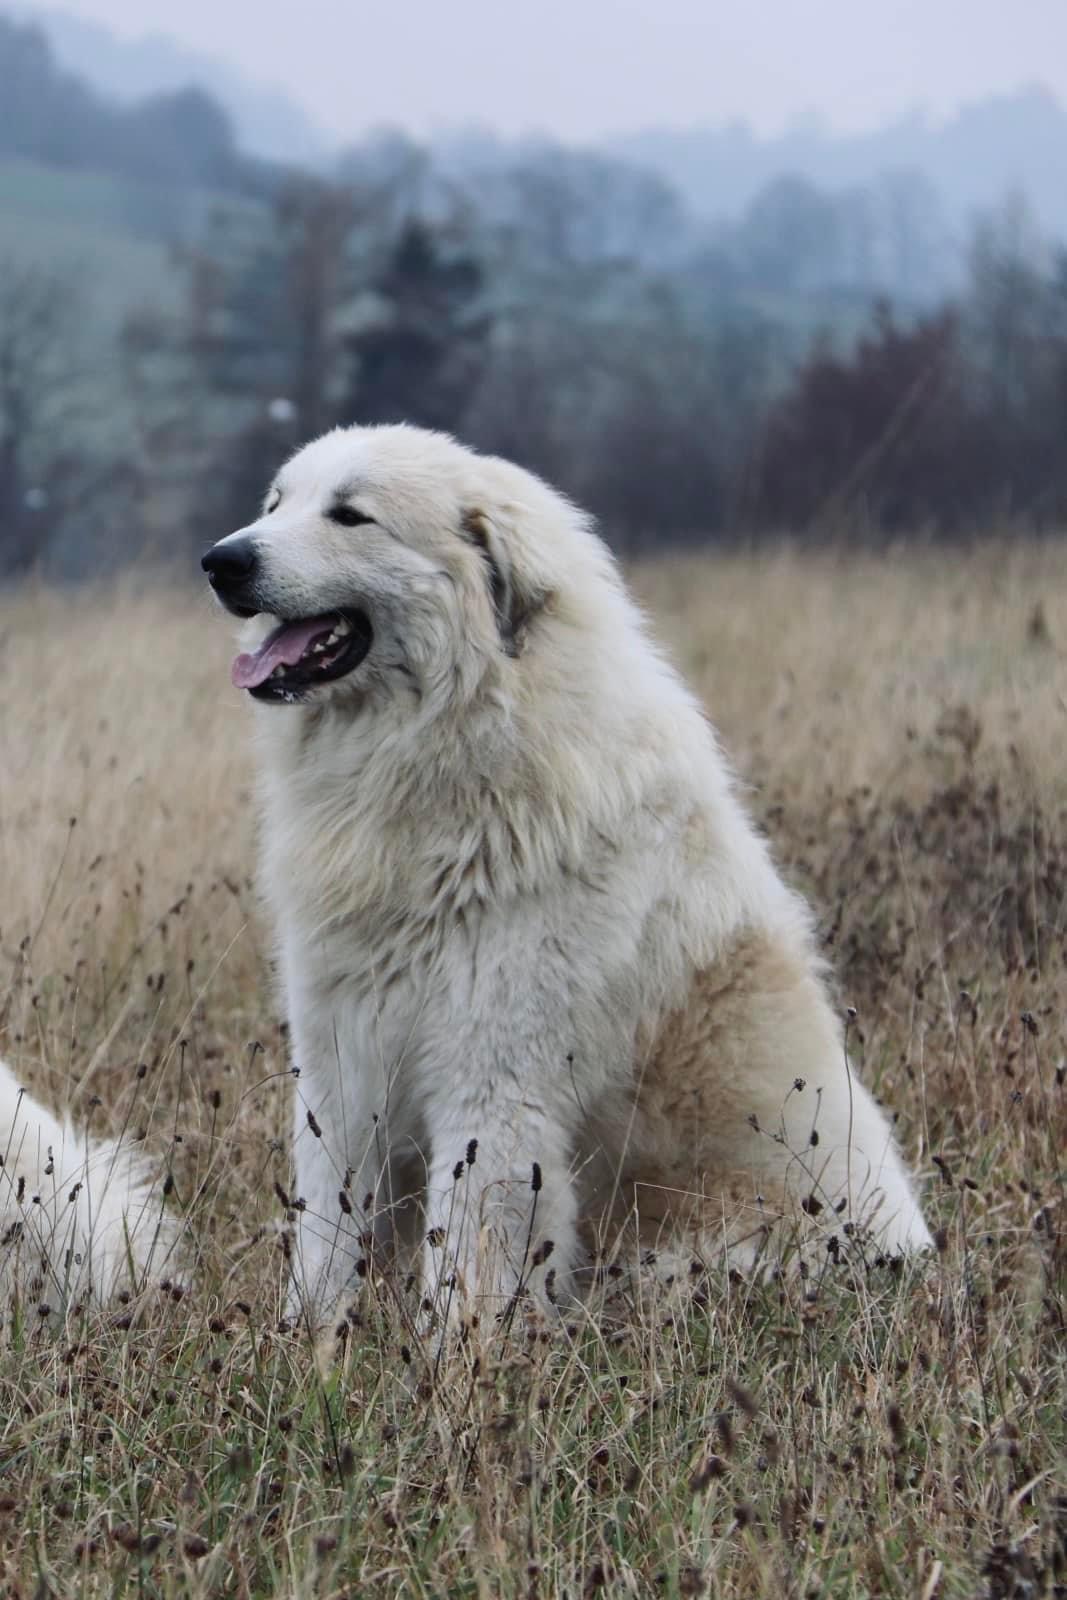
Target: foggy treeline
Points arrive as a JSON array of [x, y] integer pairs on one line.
[[825, 362]]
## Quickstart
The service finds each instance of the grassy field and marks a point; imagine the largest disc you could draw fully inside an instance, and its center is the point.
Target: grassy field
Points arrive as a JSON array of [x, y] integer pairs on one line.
[[863, 1431]]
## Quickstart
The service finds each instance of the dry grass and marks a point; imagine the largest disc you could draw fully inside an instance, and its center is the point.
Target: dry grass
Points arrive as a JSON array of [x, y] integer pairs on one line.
[[860, 1432]]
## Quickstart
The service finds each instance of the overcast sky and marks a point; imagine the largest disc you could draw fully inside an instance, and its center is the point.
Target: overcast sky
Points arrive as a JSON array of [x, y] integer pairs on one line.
[[583, 68]]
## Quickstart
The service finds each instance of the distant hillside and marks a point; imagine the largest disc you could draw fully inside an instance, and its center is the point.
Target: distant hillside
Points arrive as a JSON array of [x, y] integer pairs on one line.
[[996, 145], [96, 197], [1006, 142], [178, 139], [970, 161], [268, 122]]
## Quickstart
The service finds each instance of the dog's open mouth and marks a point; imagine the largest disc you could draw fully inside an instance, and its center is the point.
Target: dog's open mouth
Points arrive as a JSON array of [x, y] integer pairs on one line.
[[298, 655]]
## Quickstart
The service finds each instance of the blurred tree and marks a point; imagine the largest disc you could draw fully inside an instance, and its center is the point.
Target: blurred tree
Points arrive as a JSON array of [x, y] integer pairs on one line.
[[1015, 332], [184, 137], [40, 464], [315, 222], [914, 247], [420, 357], [868, 441], [269, 303], [566, 209], [789, 240]]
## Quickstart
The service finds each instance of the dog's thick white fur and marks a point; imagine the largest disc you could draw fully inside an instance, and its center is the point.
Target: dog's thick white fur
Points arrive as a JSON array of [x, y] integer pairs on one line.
[[78, 1215], [518, 901]]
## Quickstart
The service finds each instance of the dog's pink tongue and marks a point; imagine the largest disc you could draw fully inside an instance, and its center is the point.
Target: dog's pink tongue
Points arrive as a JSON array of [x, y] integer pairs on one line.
[[282, 648]]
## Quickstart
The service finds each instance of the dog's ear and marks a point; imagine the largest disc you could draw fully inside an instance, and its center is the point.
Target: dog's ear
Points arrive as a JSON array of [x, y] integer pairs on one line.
[[515, 600]]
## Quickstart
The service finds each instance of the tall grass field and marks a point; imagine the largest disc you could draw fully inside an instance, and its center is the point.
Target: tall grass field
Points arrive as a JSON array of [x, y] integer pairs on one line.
[[860, 1429]]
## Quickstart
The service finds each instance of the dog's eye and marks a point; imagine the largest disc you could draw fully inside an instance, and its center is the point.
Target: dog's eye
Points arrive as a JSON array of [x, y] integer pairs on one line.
[[348, 516], [273, 503]]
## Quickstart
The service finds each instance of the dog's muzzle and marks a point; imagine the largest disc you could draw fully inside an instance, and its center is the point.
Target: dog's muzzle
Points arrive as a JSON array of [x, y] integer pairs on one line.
[[231, 569]]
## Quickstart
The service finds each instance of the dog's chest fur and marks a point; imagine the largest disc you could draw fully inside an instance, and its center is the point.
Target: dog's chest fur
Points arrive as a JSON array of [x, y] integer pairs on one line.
[[407, 920]]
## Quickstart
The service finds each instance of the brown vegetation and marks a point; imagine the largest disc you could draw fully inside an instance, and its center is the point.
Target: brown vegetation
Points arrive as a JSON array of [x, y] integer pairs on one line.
[[861, 1431]]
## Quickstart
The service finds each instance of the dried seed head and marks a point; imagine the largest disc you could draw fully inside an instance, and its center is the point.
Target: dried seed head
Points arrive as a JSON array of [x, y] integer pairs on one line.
[[741, 1397], [896, 1423], [945, 1170], [711, 1467]]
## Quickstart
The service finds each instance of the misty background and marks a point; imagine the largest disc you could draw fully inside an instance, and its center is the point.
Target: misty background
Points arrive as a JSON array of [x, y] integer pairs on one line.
[[842, 312]]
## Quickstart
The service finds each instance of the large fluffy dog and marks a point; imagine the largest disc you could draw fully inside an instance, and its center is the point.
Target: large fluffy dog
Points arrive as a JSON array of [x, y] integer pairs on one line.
[[517, 899]]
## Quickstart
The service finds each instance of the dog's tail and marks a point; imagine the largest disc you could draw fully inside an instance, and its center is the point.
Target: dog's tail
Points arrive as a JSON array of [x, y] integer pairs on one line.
[[77, 1214]]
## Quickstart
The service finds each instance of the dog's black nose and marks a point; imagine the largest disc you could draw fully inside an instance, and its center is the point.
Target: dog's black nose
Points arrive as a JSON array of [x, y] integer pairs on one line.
[[230, 561]]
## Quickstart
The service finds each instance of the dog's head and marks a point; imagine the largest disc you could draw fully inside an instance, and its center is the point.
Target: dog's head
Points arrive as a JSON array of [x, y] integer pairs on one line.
[[391, 556]]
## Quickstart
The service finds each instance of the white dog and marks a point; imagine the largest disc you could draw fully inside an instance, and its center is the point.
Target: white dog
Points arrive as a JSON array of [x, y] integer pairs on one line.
[[77, 1214], [517, 899]]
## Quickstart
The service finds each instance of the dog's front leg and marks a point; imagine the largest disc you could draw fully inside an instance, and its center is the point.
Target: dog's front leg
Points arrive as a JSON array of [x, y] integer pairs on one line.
[[341, 1197], [334, 1179], [501, 1212]]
